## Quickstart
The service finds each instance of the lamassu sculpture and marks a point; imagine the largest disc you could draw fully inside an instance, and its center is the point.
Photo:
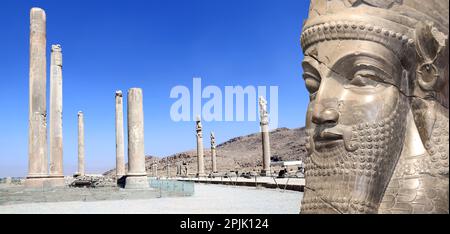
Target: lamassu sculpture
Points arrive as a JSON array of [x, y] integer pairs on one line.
[[377, 122]]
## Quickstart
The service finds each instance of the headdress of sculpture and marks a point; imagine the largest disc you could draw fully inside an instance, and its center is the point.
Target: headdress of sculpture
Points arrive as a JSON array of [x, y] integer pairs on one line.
[[377, 122]]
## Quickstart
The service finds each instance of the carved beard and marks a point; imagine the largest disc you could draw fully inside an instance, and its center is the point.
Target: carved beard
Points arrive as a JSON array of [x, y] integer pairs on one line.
[[340, 181]]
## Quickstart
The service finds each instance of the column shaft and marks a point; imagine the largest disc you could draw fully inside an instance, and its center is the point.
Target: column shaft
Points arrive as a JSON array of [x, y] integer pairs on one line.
[[120, 150], [266, 149], [136, 176], [213, 153], [56, 132], [168, 170], [200, 158], [264, 117], [37, 134], [214, 159], [80, 143]]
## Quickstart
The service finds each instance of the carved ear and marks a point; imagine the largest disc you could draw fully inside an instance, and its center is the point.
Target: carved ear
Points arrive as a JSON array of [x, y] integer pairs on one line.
[[430, 42]]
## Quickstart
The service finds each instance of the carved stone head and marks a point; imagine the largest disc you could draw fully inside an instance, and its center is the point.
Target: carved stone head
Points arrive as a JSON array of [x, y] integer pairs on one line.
[[377, 76]]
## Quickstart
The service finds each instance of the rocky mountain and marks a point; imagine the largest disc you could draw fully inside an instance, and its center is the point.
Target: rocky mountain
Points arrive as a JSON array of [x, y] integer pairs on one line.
[[242, 153]]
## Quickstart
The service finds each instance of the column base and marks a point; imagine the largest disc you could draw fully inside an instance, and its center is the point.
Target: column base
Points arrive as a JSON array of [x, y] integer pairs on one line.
[[35, 182], [265, 173], [55, 181], [137, 182]]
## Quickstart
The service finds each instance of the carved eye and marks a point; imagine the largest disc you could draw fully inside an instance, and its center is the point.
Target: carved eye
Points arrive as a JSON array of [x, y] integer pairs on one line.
[[311, 82], [365, 78], [311, 76]]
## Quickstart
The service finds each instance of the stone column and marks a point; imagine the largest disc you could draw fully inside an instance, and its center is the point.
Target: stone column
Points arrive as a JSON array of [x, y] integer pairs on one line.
[[213, 153], [136, 176], [80, 144], [37, 132], [179, 169], [56, 109], [168, 169], [265, 136], [200, 162], [155, 169], [120, 150]]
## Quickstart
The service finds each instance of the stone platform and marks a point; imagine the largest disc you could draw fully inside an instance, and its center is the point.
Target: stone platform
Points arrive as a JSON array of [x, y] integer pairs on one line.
[[294, 184], [19, 194]]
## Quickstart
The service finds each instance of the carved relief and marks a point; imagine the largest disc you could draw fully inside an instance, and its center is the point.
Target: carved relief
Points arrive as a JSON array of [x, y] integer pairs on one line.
[[378, 114]]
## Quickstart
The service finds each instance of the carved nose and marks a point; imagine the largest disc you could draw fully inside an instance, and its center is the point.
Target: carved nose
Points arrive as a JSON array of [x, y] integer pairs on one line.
[[326, 116]]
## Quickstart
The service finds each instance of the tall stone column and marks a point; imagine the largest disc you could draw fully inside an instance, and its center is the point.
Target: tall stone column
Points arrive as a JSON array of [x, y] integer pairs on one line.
[[136, 176], [213, 153], [200, 160], [56, 109], [37, 132], [265, 136], [80, 144], [120, 150]]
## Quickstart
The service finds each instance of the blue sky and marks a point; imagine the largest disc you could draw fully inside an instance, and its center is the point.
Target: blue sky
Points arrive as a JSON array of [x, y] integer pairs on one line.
[[154, 45]]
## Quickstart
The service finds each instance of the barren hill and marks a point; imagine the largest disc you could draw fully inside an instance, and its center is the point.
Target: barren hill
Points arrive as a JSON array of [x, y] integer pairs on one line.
[[242, 153]]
